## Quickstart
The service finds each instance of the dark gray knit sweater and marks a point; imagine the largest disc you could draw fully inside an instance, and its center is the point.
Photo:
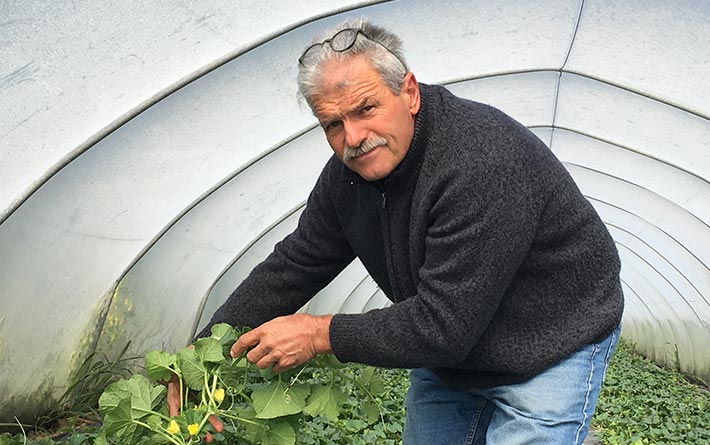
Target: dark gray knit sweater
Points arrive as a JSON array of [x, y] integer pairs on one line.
[[498, 267]]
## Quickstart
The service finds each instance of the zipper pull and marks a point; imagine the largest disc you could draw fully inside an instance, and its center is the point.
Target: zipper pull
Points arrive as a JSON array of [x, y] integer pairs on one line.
[[384, 200]]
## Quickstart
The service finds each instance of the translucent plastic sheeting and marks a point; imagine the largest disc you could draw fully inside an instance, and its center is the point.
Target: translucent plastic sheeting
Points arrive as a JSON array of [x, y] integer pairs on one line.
[[72, 72], [141, 208], [645, 125], [378, 300], [671, 183], [244, 263], [183, 265], [527, 97], [679, 338], [331, 298], [680, 309], [76, 236], [544, 133], [658, 47], [663, 250], [360, 296], [351, 291], [648, 193], [480, 38], [682, 294], [659, 212]]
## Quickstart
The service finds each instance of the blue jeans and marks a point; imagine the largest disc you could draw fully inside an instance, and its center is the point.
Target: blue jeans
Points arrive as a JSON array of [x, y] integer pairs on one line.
[[554, 407]]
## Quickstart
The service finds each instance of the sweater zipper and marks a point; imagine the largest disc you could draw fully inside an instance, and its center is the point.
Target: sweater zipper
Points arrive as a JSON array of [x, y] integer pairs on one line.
[[388, 245]]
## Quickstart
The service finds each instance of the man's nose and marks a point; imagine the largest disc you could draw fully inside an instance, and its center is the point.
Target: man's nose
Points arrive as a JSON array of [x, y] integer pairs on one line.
[[354, 133]]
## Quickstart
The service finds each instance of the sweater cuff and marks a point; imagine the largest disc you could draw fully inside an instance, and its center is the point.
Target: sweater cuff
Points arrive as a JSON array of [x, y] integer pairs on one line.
[[343, 332]]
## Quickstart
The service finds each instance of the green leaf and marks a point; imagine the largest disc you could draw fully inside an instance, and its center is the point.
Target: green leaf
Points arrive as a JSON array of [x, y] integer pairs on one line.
[[126, 400], [268, 373], [330, 361], [118, 422], [155, 422], [159, 365], [144, 395], [113, 395], [325, 401], [209, 350], [232, 374], [279, 432], [371, 411], [373, 382], [101, 439], [192, 416], [193, 371], [225, 334], [268, 432], [278, 399]]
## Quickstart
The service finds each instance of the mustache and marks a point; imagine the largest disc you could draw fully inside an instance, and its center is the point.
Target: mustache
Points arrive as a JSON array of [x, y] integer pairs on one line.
[[368, 144]]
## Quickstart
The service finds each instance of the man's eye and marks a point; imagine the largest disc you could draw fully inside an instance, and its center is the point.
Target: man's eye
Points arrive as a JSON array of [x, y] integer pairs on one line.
[[332, 125], [367, 108]]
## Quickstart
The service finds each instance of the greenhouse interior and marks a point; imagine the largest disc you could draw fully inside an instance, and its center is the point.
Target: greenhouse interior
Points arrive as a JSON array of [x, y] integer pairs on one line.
[[154, 152]]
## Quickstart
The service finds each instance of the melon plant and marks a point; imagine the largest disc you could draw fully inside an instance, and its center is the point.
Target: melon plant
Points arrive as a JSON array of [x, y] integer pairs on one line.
[[254, 406]]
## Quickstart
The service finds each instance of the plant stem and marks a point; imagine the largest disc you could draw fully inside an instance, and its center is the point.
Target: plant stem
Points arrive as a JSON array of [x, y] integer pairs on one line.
[[211, 393], [204, 420], [24, 435], [206, 389], [233, 417], [167, 436], [183, 395], [295, 378], [369, 394], [148, 411]]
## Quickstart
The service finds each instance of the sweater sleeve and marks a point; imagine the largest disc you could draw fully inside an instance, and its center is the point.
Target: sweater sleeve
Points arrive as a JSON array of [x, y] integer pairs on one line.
[[482, 220], [300, 265]]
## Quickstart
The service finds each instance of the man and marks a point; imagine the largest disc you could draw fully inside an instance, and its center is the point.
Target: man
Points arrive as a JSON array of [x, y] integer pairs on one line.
[[505, 282]]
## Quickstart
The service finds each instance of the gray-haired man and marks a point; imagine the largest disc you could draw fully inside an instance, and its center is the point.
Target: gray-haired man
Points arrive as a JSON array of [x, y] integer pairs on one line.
[[504, 280]]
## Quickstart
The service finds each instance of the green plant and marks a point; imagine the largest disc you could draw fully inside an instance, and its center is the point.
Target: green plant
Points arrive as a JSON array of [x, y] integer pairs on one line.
[[256, 406], [80, 399], [77, 407], [641, 403]]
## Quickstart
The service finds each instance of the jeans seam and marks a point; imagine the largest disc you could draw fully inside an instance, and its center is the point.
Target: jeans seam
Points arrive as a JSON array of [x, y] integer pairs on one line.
[[595, 349], [475, 421], [607, 357]]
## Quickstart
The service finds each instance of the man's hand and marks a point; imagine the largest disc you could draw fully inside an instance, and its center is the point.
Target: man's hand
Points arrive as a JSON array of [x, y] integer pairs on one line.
[[285, 342]]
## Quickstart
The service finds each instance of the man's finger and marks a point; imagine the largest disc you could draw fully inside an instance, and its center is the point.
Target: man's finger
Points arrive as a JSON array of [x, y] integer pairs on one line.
[[216, 423], [173, 397], [264, 362], [278, 369], [243, 343]]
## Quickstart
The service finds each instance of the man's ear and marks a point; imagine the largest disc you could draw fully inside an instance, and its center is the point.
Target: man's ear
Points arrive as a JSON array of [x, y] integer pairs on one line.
[[410, 92]]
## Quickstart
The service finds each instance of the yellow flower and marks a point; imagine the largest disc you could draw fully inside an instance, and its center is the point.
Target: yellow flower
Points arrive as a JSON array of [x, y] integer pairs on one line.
[[193, 429], [173, 427], [219, 395]]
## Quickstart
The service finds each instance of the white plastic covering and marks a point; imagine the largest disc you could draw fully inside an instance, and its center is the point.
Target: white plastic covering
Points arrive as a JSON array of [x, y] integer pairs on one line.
[[153, 152]]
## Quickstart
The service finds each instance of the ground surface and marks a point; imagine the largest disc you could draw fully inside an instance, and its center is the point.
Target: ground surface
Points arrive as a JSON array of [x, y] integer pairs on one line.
[[591, 440]]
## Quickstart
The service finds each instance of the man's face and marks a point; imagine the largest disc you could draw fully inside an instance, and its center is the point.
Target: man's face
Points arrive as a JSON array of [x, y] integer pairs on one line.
[[368, 127]]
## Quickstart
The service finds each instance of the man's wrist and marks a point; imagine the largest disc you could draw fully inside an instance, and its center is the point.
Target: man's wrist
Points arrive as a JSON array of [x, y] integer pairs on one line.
[[322, 334]]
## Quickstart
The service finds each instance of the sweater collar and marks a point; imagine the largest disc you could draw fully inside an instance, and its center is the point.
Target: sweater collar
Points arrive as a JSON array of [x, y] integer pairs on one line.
[[405, 175]]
